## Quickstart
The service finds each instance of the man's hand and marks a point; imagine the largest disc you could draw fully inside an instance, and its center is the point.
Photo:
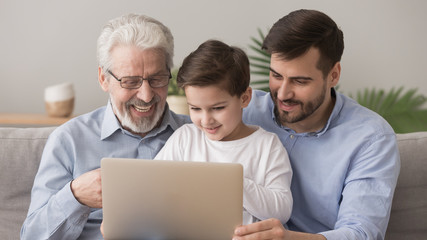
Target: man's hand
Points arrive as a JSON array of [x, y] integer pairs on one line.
[[267, 229], [87, 189], [271, 229], [102, 229]]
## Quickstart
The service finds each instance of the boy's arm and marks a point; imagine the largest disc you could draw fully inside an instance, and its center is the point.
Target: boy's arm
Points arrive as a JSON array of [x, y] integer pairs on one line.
[[273, 199], [172, 149]]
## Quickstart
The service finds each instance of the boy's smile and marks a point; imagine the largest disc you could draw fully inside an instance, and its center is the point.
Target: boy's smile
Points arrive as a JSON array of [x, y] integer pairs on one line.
[[218, 114]]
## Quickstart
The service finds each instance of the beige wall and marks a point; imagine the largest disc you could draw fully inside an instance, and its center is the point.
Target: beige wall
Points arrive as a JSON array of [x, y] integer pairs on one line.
[[46, 42]]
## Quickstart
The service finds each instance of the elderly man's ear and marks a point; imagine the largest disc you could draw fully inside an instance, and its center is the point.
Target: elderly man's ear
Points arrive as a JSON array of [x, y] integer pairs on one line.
[[102, 79]]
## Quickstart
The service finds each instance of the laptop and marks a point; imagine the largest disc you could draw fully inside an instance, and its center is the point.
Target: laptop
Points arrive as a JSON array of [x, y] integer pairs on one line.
[[159, 199]]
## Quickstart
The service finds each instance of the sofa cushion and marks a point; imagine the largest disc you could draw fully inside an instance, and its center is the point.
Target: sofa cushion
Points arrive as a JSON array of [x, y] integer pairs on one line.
[[409, 210], [20, 153], [21, 149]]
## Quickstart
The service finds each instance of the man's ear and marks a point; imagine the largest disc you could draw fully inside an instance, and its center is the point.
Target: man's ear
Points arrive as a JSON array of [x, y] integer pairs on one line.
[[246, 97], [334, 76], [102, 79]]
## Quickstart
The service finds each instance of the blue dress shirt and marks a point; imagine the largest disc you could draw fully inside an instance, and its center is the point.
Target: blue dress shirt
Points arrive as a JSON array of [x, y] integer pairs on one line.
[[344, 175], [73, 149]]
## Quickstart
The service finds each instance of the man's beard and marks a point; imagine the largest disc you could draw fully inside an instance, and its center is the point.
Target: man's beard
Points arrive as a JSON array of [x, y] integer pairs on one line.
[[307, 108], [140, 125]]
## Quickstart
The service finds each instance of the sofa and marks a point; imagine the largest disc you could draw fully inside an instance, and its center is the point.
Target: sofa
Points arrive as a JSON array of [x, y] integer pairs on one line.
[[21, 149]]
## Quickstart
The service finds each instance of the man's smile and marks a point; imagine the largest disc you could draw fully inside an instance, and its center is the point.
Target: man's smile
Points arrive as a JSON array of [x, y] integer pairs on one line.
[[142, 109]]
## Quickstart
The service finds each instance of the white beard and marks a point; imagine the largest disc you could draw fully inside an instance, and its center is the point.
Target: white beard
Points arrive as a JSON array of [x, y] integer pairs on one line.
[[142, 125]]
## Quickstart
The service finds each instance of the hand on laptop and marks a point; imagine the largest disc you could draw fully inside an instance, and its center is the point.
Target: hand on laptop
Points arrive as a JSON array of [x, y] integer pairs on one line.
[[102, 229], [267, 229], [271, 229], [87, 189]]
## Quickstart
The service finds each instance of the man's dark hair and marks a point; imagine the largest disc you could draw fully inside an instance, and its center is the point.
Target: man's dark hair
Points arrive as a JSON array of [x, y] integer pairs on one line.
[[213, 63], [294, 34]]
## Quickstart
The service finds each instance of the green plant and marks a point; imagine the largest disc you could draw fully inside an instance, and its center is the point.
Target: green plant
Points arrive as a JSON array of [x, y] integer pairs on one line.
[[260, 63], [402, 110], [173, 88]]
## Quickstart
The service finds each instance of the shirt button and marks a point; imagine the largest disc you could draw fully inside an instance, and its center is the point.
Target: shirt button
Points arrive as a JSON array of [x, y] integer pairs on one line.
[[292, 136]]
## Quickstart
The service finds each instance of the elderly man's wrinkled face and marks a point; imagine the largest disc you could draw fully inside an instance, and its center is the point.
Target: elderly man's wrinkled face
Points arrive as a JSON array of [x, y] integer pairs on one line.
[[138, 110]]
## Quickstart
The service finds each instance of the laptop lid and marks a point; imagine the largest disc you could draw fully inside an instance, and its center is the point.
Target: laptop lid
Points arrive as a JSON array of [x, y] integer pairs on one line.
[[153, 199]]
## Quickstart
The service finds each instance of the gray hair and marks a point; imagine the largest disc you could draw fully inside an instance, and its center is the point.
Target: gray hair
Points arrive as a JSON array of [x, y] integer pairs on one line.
[[135, 30]]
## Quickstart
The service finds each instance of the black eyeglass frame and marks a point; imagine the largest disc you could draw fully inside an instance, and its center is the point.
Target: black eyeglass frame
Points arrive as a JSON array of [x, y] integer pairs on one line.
[[141, 79]]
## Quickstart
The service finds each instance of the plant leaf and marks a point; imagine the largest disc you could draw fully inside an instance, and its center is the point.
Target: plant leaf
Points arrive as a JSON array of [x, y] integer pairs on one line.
[[261, 66], [257, 42], [263, 73], [260, 62], [261, 34], [402, 110], [260, 51], [173, 88]]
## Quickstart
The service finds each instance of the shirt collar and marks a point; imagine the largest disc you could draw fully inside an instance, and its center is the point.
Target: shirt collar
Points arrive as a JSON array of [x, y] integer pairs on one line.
[[168, 121], [110, 123], [335, 112]]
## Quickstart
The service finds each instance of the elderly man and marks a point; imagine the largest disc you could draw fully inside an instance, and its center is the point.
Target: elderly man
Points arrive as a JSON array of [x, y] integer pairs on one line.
[[135, 56]]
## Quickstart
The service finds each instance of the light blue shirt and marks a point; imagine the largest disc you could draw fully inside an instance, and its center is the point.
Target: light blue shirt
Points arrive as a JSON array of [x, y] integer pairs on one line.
[[73, 149], [344, 175]]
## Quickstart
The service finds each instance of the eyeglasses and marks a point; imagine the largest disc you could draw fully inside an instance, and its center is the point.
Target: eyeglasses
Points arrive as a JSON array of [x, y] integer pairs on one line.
[[135, 82]]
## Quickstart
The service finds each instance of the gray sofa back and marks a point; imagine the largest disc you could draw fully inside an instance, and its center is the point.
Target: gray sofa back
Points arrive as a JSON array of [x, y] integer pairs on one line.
[[21, 149], [20, 153], [408, 218]]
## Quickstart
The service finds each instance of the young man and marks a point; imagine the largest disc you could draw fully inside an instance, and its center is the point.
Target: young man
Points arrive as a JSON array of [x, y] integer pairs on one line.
[[215, 78], [134, 54], [344, 157]]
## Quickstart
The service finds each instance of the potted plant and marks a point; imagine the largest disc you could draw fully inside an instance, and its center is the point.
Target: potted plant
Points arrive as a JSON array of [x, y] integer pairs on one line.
[[176, 97]]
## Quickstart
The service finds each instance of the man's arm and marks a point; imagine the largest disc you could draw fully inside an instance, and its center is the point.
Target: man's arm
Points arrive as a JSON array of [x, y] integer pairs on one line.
[[368, 191], [366, 199], [54, 212]]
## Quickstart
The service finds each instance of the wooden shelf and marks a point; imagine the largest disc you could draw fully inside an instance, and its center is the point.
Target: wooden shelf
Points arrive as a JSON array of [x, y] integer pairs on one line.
[[30, 119]]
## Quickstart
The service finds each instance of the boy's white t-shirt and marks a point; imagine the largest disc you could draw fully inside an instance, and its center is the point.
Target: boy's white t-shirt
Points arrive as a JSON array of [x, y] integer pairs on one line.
[[267, 171]]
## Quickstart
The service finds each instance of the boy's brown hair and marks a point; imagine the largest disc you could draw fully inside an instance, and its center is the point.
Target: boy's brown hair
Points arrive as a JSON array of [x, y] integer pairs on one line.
[[216, 63]]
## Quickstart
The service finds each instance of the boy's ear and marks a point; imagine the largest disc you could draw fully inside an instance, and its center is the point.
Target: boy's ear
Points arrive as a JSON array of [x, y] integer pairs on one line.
[[246, 97]]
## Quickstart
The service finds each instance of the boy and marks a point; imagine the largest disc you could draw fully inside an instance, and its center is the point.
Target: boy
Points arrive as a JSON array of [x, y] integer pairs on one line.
[[215, 79]]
